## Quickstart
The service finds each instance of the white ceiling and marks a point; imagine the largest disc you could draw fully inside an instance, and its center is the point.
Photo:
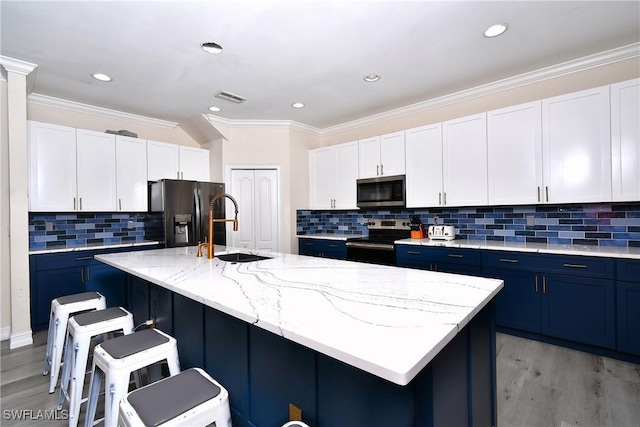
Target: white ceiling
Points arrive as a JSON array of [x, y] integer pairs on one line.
[[280, 52]]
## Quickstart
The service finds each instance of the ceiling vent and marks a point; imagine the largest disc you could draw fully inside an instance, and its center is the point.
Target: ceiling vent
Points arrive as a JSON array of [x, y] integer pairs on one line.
[[236, 99]]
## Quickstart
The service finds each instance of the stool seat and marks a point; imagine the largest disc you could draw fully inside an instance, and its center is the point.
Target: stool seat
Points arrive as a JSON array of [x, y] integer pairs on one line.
[[92, 317], [61, 309], [189, 398], [130, 344]]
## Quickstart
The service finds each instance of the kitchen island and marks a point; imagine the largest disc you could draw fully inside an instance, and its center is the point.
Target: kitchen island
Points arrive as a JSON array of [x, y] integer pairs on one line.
[[350, 344]]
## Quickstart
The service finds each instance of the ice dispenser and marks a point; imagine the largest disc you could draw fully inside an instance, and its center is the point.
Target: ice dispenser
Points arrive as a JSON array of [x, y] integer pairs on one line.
[[183, 228]]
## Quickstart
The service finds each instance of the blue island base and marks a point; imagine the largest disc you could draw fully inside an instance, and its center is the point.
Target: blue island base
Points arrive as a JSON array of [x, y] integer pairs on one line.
[[265, 372]]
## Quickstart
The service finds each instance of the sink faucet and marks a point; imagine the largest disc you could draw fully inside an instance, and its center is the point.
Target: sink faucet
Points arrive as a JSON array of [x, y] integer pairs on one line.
[[209, 245]]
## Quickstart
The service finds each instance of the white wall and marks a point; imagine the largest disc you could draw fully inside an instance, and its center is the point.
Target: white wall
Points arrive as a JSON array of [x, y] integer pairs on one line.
[[5, 277]]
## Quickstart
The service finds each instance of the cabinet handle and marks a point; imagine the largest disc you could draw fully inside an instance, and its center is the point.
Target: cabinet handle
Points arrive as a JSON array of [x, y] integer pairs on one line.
[[455, 256], [574, 265], [381, 169], [82, 275], [439, 199], [512, 261], [84, 258], [88, 274], [119, 204], [80, 203], [538, 194], [377, 170], [181, 175], [413, 252], [177, 174], [74, 204], [309, 244], [536, 277], [546, 191], [333, 246], [445, 198], [544, 285]]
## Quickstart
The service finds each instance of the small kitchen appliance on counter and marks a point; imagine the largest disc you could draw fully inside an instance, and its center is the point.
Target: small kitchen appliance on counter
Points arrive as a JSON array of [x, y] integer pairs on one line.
[[442, 232]]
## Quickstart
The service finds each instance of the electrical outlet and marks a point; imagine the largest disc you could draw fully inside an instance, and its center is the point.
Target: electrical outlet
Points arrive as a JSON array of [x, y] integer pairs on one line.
[[295, 413], [130, 225], [531, 220], [48, 226]]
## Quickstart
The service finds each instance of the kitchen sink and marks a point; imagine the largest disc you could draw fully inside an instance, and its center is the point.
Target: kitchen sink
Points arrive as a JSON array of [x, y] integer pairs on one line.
[[241, 257]]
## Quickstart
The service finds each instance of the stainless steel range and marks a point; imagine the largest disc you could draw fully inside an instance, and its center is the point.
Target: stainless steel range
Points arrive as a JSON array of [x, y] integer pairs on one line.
[[378, 247]]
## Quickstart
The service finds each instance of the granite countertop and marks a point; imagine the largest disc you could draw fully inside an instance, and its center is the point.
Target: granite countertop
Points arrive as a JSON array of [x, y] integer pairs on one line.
[[583, 250], [388, 321], [93, 246]]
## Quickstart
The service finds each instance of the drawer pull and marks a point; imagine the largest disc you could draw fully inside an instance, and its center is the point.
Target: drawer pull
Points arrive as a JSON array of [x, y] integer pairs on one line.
[[455, 256], [83, 258], [512, 261], [413, 252], [333, 246], [574, 265]]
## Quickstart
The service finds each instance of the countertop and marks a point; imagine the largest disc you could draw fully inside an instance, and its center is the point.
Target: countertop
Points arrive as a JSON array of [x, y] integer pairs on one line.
[[93, 246], [329, 236], [583, 250], [388, 321]]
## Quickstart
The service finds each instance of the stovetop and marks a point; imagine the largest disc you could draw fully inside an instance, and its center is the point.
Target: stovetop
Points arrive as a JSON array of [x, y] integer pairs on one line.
[[386, 231]]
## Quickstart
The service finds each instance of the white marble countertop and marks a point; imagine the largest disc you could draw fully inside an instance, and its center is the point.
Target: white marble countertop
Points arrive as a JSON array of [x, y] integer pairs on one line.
[[583, 250], [329, 236], [93, 246], [388, 321]]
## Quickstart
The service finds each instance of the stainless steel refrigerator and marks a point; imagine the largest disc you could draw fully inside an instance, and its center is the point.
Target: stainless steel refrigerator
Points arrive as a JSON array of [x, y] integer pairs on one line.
[[185, 211]]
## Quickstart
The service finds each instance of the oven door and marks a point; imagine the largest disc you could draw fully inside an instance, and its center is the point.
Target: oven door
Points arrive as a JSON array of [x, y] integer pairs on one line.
[[371, 253]]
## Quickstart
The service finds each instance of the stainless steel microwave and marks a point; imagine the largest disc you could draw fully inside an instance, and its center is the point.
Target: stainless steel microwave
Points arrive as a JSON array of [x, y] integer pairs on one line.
[[381, 192]]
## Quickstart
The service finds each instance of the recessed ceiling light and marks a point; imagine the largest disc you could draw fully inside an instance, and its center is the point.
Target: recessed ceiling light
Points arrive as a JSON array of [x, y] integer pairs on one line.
[[371, 78], [211, 47], [496, 29], [101, 77], [214, 109], [297, 105]]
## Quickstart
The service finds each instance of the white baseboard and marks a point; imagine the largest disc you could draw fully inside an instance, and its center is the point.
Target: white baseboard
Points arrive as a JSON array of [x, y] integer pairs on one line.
[[5, 333], [20, 340]]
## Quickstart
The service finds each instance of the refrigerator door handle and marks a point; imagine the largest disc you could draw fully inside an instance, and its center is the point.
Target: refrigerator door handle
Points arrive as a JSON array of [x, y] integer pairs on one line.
[[196, 199]]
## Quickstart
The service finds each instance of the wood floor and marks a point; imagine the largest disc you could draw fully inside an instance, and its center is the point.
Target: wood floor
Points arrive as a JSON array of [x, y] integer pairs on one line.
[[538, 385]]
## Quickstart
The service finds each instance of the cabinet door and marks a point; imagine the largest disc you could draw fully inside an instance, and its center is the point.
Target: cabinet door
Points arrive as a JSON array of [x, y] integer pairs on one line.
[[514, 150], [579, 309], [109, 281], [48, 285], [194, 164], [625, 140], [322, 178], [577, 147], [96, 168], [346, 175], [131, 174], [518, 303], [163, 161], [465, 161], [369, 157], [392, 157], [424, 166], [628, 321], [52, 168]]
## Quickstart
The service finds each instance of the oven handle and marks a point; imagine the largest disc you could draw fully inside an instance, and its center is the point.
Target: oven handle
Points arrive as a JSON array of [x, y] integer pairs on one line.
[[380, 246]]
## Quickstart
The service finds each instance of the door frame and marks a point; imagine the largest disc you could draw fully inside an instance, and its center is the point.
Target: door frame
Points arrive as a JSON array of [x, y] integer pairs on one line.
[[228, 168]]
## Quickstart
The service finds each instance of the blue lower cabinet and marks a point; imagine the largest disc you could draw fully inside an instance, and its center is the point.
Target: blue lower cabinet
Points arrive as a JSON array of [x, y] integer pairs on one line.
[[628, 321], [109, 281], [325, 248], [445, 260], [48, 285], [518, 303]]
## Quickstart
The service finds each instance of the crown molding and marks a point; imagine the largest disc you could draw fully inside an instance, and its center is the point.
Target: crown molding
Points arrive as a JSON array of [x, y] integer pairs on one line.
[[19, 67], [592, 61], [283, 124], [78, 107]]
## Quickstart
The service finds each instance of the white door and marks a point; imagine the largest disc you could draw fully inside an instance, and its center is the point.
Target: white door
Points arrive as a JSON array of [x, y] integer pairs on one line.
[[163, 161], [465, 161], [194, 164], [346, 175], [392, 158], [52, 168], [576, 144], [514, 149], [96, 166], [424, 166], [369, 157], [256, 191], [131, 174], [625, 140]]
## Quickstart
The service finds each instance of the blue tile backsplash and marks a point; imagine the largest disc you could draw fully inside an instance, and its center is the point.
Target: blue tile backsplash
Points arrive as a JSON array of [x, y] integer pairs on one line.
[[68, 230], [603, 224]]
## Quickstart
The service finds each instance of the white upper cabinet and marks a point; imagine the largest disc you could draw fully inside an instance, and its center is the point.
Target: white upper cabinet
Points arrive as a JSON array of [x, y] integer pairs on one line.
[[170, 161], [576, 147], [424, 166], [382, 155], [333, 172], [514, 149], [52, 167], [465, 161], [194, 164], [131, 174], [625, 140], [96, 167]]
